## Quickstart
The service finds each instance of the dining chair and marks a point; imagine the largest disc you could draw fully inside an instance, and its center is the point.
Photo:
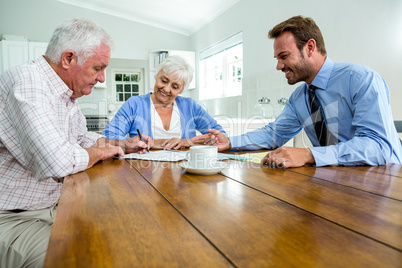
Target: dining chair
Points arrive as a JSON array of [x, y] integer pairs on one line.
[[398, 126]]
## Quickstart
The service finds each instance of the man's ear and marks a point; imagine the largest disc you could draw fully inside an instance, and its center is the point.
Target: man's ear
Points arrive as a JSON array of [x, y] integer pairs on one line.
[[311, 47], [68, 59]]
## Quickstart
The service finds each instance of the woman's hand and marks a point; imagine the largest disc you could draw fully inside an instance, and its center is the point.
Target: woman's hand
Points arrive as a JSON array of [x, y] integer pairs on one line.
[[130, 145], [175, 144], [136, 145]]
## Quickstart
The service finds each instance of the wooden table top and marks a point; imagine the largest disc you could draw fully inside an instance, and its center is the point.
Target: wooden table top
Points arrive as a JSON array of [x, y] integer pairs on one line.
[[130, 213]]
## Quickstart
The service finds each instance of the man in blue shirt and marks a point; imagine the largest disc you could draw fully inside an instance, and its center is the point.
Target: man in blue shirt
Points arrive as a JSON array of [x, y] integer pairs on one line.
[[354, 101]]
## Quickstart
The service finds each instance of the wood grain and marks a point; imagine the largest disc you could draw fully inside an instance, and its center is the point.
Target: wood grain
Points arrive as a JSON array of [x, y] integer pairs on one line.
[[391, 169], [109, 216], [369, 179], [259, 218], [373, 215]]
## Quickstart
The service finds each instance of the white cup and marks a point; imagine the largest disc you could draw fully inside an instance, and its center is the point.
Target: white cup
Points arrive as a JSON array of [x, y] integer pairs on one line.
[[203, 157]]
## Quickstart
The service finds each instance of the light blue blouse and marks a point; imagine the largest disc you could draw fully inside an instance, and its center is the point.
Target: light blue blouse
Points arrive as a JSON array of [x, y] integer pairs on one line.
[[135, 114]]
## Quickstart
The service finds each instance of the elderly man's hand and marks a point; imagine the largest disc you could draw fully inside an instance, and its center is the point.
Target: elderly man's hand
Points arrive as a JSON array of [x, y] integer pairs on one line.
[[102, 151]]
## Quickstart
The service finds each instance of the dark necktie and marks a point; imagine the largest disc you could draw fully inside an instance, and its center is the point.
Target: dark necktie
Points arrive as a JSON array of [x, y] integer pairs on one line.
[[324, 136]]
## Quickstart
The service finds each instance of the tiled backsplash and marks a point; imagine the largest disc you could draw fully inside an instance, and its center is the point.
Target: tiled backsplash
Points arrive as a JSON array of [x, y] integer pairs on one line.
[[272, 85]]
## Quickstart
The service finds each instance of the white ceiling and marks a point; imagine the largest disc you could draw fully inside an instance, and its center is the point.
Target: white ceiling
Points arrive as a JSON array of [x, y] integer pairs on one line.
[[181, 16]]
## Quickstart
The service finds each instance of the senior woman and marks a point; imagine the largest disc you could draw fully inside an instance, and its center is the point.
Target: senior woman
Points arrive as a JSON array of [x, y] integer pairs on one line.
[[170, 120]]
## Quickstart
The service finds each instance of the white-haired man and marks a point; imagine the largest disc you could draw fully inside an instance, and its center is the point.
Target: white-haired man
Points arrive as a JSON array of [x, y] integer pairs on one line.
[[43, 136]]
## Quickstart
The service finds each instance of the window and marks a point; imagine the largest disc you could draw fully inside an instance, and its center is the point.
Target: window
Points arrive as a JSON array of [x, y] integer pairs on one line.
[[221, 69], [126, 84]]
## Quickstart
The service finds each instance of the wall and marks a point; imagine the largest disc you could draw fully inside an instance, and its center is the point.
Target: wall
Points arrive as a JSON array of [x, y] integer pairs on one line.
[[37, 20], [102, 101], [367, 32]]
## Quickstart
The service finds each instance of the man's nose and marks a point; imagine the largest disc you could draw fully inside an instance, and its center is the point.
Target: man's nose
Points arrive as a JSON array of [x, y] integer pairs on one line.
[[101, 76], [280, 65]]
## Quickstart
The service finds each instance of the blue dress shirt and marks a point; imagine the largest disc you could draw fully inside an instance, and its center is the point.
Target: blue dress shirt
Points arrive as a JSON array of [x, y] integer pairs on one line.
[[356, 104]]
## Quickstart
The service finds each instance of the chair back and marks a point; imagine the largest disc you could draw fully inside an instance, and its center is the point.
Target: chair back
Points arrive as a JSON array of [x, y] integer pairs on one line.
[[398, 126]]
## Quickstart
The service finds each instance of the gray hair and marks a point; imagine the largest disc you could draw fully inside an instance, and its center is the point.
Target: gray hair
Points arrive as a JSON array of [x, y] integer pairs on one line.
[[79, 35], [179, 66]]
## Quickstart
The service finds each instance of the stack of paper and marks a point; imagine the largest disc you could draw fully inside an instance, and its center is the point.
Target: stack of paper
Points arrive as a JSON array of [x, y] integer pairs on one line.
[[174, 156], [165, 155]]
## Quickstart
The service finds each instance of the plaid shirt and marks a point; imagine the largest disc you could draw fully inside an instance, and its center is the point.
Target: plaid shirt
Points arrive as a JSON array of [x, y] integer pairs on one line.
[[42, 136]]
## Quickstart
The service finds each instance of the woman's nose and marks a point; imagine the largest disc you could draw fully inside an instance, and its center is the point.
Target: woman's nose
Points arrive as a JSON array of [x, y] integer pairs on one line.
[[167, 88]]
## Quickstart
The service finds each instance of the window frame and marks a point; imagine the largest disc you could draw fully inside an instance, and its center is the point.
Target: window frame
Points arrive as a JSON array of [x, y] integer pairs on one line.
[[125, 71], [221, 48]]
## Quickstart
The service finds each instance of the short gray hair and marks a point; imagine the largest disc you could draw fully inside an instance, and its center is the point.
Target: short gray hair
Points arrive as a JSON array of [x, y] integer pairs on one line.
[[179, 66], [79, 35]]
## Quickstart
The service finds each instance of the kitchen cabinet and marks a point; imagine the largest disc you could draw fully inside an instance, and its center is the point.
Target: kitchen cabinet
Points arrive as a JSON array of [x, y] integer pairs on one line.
[[36, 49], [155, 57], [13, 53]]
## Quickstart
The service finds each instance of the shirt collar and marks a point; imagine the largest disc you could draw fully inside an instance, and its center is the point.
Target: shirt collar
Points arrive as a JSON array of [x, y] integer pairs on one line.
[[57, 83], [322, 77]]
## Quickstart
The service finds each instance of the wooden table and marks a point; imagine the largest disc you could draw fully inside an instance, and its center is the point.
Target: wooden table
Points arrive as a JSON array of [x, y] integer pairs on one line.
[[131, 213]]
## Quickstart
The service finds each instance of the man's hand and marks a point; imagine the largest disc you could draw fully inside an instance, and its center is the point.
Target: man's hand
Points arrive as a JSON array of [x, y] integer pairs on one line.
[[214, 138], [102, 151], [286, 157]]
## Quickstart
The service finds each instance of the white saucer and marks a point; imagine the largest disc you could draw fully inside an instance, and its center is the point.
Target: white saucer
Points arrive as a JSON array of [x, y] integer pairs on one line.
[[202, 171]]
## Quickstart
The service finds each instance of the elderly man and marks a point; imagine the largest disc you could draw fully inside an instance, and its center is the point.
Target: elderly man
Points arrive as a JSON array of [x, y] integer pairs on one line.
[[43, 136], [343, 108]]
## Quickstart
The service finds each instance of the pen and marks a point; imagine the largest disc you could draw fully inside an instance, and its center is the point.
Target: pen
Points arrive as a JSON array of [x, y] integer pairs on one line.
[[139, 133]]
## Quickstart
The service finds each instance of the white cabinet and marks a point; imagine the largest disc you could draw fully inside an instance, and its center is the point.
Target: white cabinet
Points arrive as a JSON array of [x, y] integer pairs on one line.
[[13, 53], [36, 49], [155, 57]]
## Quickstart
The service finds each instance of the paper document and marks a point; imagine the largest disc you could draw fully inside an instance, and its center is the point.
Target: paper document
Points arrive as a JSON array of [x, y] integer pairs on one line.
[[255, 157], [165, 155], [237, 157], [162, 155]]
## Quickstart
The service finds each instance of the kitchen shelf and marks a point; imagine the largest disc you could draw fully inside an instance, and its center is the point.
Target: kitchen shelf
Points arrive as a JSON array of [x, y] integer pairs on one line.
[[156, 56]]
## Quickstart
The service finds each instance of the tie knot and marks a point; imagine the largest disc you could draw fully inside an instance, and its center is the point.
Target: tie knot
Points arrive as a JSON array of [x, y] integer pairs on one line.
[[311, 88]]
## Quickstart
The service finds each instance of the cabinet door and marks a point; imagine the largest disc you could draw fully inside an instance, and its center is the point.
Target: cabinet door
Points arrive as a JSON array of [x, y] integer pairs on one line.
[[13, 53], [36, 49], [153, 62]]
